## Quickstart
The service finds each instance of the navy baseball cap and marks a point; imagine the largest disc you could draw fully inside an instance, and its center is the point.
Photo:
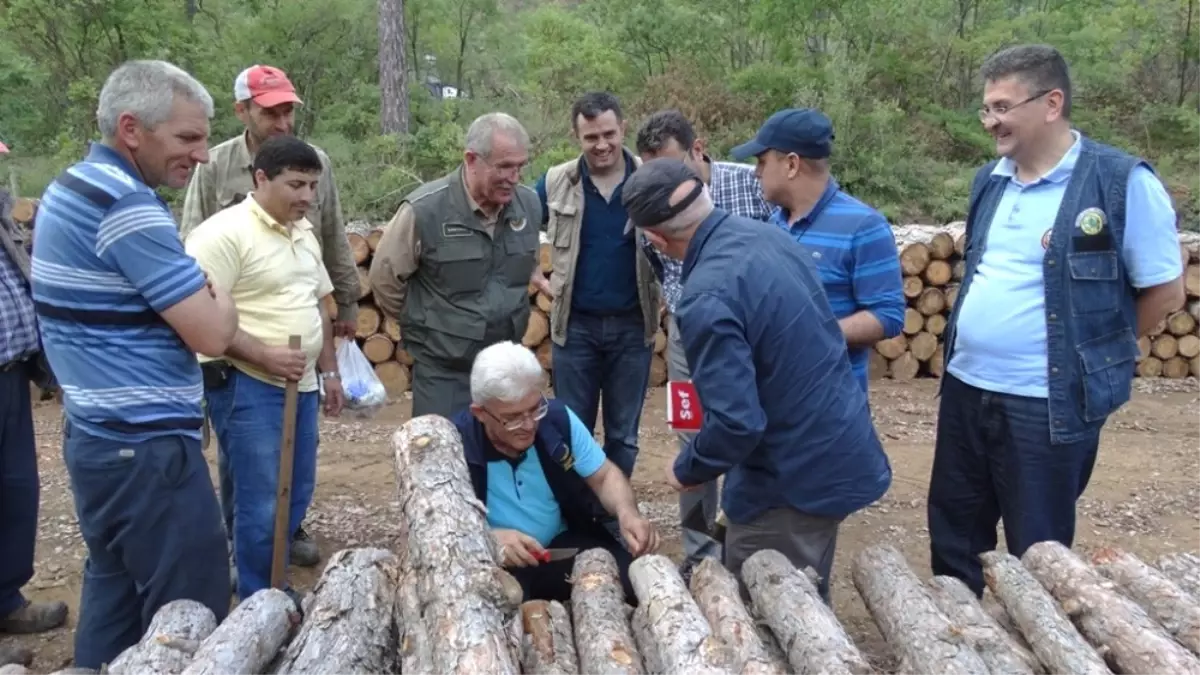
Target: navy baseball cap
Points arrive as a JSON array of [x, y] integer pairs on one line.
[[807, 132], [647, 192]]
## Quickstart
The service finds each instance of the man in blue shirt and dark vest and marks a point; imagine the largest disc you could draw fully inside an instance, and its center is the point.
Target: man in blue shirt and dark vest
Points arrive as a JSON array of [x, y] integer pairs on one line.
[[850, 243], [542, 477], [1071, 254], [784, 419]]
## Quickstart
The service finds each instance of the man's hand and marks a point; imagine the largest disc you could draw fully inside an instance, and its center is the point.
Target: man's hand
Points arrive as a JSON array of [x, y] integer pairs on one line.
[[639, 533], [283, 362], [674, 482], [517, 549], [345, 329], [335, 397], [541, 283]]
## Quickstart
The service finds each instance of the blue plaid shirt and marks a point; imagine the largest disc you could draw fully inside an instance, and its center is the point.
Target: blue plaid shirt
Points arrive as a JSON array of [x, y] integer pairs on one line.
[[733, 187], [19, 337]]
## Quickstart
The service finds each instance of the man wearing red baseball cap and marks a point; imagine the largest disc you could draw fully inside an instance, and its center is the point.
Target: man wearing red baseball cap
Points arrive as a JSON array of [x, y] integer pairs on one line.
[[265, 101]]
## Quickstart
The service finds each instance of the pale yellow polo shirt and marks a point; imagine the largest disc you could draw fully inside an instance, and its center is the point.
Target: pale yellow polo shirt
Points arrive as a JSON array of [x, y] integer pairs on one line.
[[275, 275]]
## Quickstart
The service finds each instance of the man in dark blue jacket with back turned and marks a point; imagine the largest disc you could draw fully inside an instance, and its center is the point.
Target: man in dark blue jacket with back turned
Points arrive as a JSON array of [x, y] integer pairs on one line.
[[784, 418]]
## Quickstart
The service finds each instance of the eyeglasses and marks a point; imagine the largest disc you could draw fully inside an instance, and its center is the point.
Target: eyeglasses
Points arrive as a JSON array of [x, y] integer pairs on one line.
[[514, 423], [1001, 110], [505, 169]]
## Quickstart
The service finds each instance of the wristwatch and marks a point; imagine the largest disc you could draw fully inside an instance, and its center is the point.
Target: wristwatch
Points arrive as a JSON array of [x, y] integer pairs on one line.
[[330, 375]]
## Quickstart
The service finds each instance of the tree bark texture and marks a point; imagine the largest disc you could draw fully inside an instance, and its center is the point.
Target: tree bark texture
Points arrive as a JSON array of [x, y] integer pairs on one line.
[[646, 643], [464, 599], [170, 642], [685, 641], [992, 605], [249, 638], [1162, 598], [415, 656], [808, 632], [15, 669], [1184, 570], [1002, 654], [603, 637], [393, 75], [349, 622], [547, 643], [1131, 640], [716, 592], [920, 635]]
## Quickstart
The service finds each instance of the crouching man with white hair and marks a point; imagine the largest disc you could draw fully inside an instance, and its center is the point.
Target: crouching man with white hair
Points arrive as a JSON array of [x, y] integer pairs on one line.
[[543, 477]]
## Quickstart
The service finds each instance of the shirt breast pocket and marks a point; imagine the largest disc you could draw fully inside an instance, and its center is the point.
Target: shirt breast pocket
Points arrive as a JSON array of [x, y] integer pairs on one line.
[[458, 266], [1095, 282]]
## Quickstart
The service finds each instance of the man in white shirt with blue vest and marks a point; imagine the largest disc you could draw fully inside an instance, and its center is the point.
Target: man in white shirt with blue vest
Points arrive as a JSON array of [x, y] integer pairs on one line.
[[1072, 253]]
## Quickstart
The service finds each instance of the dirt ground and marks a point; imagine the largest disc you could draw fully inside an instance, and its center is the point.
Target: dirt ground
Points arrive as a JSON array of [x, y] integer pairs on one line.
[[1144, 495]]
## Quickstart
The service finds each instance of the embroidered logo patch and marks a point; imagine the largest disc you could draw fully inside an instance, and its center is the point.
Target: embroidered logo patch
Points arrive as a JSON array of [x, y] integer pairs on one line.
[[566, 459], [517, 225], [450, 230], [1090, 221]]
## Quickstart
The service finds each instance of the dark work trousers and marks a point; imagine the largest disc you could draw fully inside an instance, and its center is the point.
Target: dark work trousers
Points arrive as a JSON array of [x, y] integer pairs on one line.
[[18, 487], [438, 389], [551, 581], [152, 526], [806, 540], [993, 459]]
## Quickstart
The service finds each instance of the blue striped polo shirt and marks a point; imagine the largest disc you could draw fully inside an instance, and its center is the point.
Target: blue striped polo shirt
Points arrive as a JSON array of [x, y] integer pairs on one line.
[[854, 250], [107, 260]]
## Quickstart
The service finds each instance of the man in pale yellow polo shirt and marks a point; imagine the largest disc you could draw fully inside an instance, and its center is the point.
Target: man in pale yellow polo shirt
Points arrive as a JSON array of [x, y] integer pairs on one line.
[[263, 252]]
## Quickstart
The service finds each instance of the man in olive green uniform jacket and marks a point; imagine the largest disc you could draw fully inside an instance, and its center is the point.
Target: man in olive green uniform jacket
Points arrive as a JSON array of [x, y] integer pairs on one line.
[[455, 263]]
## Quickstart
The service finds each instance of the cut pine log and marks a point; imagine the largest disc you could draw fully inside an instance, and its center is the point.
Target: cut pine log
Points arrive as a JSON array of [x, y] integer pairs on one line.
[[937, 273], [1164, 346], [373, 238], [394, 376], [1184, 570], [810, 635], [1194, 366], [1150, 366], [923, 345], [547, 642], [1175, 368], [1159, 329], [937, 362], [936, 324], [646, 643], [465, 599], [170, 642], [908, 618], [1130, 639], [537, 329], [1050, 634], [1191, 280], [992, 606], [914, 258], [912, 287], [660, 341], [1193, 308], [1162, 598], [1143, 345], [960, 244], [658, 371], [358, 247], [877, 366], [932, 301], [348, 618], [369, 319], [716, 592], [391, 328], [24, 210], [402, 356], [364, 282], [914, 321], [1188, 346], [683, 639], [249, 638], [17, 669], [378, 348], [959, 271], [603, 636], [951, 293], [1181, 323], [1002, 654], [941, 246], [412, 636], [905, 367], [892, 348]]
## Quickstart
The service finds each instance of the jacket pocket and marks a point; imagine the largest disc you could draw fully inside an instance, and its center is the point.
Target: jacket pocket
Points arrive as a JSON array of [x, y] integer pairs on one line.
[[459, 266], [1107, 363], [1094, 282]]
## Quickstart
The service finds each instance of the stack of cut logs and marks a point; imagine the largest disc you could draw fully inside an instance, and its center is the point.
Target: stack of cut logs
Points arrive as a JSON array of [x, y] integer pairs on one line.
[[379, 336], [441, 603]]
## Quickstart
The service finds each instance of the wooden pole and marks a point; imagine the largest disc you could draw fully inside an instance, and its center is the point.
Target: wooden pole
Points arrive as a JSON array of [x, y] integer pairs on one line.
[[283, 492]]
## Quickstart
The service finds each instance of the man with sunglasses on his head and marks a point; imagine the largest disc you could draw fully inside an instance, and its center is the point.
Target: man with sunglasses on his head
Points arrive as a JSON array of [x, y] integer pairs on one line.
[[543, 477]]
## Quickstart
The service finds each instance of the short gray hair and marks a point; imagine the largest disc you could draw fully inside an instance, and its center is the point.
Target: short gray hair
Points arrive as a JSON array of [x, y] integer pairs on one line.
[[485, 127], [147, 90], [505, 372], [1041, 67]]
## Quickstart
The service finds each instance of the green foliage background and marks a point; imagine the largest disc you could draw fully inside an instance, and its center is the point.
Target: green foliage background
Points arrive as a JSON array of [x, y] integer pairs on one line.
[[899, 79]]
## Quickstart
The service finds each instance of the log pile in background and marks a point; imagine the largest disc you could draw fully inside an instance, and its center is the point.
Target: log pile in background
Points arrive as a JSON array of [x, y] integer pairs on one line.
[[379, 336]]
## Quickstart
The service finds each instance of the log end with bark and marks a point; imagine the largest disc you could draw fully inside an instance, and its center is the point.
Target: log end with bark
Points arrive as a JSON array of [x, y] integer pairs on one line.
[[997, 648], [718, 595], [548, 641], [170, 642], [1174, 608], [250, 636], [683, 639], [604, 639]]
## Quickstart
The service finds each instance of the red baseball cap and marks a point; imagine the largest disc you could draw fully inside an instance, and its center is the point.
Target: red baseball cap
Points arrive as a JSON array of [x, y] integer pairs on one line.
[[265, 85]]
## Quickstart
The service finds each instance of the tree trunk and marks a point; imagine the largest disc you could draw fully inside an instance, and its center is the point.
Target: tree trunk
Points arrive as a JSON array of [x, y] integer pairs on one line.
[[806, 627], [603, 638], [249, 638], [1130, 639], [684, 640], [348, 618], [170, 642], [1184, 570], [937, 273], [716, 592], [914, 258], [415, 656], [393, 75], [464, 599], [908, 618], [548, 643], [1162, 598], [994, 645]]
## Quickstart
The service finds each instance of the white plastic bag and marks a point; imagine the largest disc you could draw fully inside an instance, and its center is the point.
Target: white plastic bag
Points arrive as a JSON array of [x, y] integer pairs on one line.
[[363, 389]]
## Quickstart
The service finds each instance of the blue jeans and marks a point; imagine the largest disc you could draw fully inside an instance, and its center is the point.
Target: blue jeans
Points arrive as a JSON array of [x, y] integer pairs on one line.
[[247, 419], [19, 487], [152, 527], [606, 356], [993, 459]]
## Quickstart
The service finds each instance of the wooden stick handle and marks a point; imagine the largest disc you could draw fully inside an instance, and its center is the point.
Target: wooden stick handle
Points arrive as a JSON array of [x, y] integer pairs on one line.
[[283, 491]]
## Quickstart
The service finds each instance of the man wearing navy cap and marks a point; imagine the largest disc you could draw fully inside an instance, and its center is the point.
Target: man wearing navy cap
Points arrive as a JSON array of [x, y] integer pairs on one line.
[[850, 243], [784, 420]]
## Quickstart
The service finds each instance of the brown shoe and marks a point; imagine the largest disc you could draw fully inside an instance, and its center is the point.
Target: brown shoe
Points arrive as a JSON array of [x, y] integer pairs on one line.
[[35, 617], [22, 656]]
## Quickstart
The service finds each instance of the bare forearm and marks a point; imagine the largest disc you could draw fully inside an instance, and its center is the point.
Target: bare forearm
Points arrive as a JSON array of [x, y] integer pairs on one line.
[[615, 493], [327, 361], [1156, 302], [862, 328], [248, 348]]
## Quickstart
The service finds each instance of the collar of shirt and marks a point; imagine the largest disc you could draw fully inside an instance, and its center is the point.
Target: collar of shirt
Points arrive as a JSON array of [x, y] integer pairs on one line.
[[491, 454], [268, 220], [780, 215], [701, 235], [475, 208], [243, 158], [1061, 172], [100, 153]]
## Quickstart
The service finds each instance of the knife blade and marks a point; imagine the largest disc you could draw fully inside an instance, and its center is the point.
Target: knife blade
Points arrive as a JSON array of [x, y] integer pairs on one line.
[[552, 554]]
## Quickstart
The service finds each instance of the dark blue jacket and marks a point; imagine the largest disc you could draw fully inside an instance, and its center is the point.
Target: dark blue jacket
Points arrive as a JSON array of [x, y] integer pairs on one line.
[[579, 504], [1091, 306], [784, 418]]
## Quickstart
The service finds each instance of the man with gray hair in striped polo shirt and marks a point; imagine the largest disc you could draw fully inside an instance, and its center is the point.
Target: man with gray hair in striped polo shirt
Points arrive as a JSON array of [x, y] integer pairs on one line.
[[122, 311]]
